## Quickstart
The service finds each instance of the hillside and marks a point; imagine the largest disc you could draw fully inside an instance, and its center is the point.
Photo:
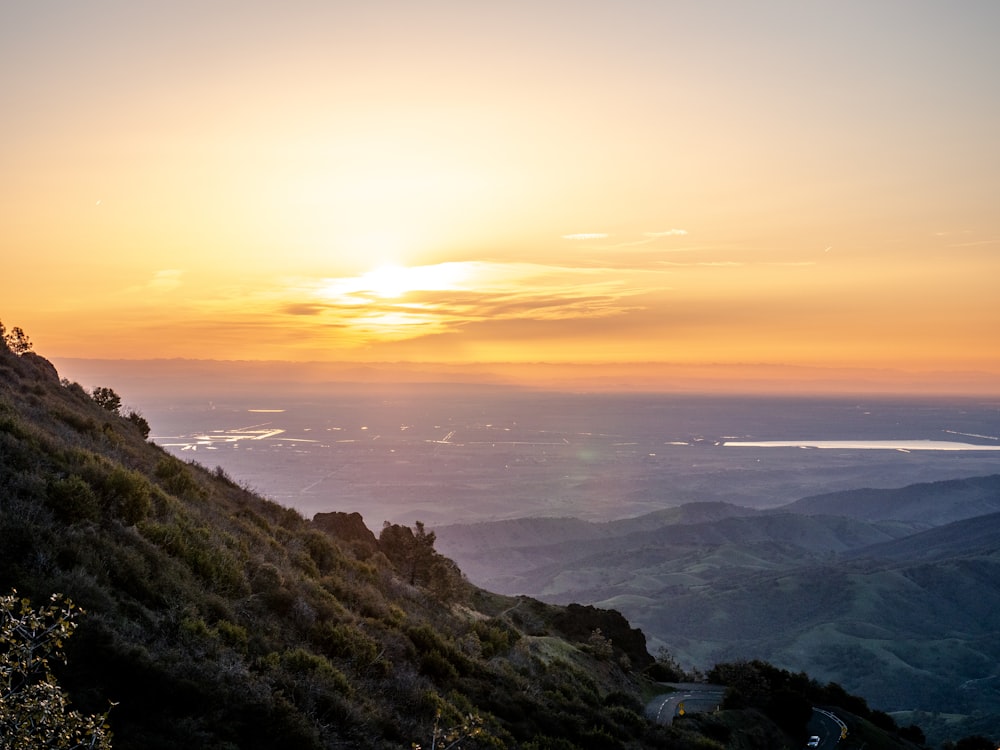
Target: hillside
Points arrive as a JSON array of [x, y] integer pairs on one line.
[[877, 599], [216, 618], [544, 555]]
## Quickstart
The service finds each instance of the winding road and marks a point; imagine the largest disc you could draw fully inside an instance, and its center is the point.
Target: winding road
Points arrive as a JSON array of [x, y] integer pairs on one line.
[[688, 697], [828, 727], [696, 697]]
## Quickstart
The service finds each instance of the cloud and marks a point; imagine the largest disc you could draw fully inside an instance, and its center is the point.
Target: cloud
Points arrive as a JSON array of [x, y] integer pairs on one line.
[[448, 297], [165, 281], [651, 237], [303, 309], [162, 281], [586, 236], [702, 263]]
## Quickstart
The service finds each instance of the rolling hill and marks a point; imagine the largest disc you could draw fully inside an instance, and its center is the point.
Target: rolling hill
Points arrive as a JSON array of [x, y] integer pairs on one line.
[[925, 504], [897, 598]]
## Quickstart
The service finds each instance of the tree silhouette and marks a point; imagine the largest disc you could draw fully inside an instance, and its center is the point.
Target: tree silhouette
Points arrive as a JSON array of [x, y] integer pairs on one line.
[[107, 399], [17, 340]]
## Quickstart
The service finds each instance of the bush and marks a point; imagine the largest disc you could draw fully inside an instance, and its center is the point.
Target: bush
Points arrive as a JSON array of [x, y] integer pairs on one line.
[[139, 421], [126, 495], [176, 479], [72, 500]]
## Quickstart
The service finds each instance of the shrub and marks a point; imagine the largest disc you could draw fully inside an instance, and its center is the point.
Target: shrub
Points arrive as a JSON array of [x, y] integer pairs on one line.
[[126, 495], [139, 421], [342, 641], [176, 479], [72, 500]]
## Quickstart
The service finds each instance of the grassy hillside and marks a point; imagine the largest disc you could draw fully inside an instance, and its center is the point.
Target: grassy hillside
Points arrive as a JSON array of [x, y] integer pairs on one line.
[[218, 619]]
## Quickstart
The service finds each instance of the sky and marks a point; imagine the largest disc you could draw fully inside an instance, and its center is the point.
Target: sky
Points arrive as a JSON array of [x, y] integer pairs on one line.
[[812, 184]]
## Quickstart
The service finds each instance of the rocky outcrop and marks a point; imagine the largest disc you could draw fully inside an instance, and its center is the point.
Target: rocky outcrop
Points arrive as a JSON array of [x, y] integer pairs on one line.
[[347, 527]]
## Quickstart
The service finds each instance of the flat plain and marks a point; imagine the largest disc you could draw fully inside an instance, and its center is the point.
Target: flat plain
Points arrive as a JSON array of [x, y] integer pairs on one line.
[[447, 454]]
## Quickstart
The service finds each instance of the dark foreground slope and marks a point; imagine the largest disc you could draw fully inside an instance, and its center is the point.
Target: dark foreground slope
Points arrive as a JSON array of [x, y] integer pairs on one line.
[[215, 618]]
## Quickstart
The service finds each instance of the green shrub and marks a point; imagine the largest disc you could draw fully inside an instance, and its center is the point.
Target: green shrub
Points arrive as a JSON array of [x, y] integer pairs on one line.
[[233, 635], [323, 551], [495, 638], [342, 641], [82, 423], [126, 495], [176, 479], [435, 665], [72, 500]]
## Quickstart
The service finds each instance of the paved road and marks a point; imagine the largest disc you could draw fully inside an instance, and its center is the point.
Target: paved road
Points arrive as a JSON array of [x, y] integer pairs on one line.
[[827, 727], [689, 697]]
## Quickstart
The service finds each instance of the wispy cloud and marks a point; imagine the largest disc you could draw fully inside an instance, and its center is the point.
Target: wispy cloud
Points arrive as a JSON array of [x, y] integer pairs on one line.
[[447, 297], [977, 243], [465, 301], [701, 263], [166, 280], [649, 238], [667, 233]]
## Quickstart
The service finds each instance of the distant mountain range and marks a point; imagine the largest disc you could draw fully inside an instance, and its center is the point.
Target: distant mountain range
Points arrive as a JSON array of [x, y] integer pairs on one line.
[[927, 504], [895, 594]]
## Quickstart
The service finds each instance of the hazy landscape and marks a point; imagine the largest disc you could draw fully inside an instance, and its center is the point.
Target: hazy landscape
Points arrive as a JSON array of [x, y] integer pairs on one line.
[[451, 453], [725, 527]]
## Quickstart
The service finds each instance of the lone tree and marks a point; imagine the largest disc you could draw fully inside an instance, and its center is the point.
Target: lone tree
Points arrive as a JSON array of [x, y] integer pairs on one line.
[[17, 340], [412, 553], [34, 711], [110, 401], [107, 399]]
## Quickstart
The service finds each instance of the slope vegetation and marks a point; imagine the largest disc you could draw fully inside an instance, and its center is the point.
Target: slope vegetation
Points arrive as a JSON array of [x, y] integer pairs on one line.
[[215, 618]]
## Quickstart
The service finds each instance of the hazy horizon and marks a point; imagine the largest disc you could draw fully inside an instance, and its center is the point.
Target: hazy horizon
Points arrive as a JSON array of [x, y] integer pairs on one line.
[[141, 378]]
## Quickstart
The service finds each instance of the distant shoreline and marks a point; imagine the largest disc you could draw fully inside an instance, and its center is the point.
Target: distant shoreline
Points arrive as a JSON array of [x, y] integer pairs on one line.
[[897, 445]]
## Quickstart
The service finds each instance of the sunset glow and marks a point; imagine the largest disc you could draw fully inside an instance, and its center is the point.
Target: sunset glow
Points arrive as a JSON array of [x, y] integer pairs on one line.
[[529, 182]]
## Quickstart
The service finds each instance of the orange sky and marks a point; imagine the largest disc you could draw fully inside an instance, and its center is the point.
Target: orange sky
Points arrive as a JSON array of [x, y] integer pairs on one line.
[[811, 184]]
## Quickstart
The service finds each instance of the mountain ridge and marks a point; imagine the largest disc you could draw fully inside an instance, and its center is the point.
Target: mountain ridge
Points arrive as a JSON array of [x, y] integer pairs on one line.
[[896, 600]]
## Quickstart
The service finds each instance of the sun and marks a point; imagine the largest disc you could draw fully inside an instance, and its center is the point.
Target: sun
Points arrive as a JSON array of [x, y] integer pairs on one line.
[[388, 281], [392, 281]]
